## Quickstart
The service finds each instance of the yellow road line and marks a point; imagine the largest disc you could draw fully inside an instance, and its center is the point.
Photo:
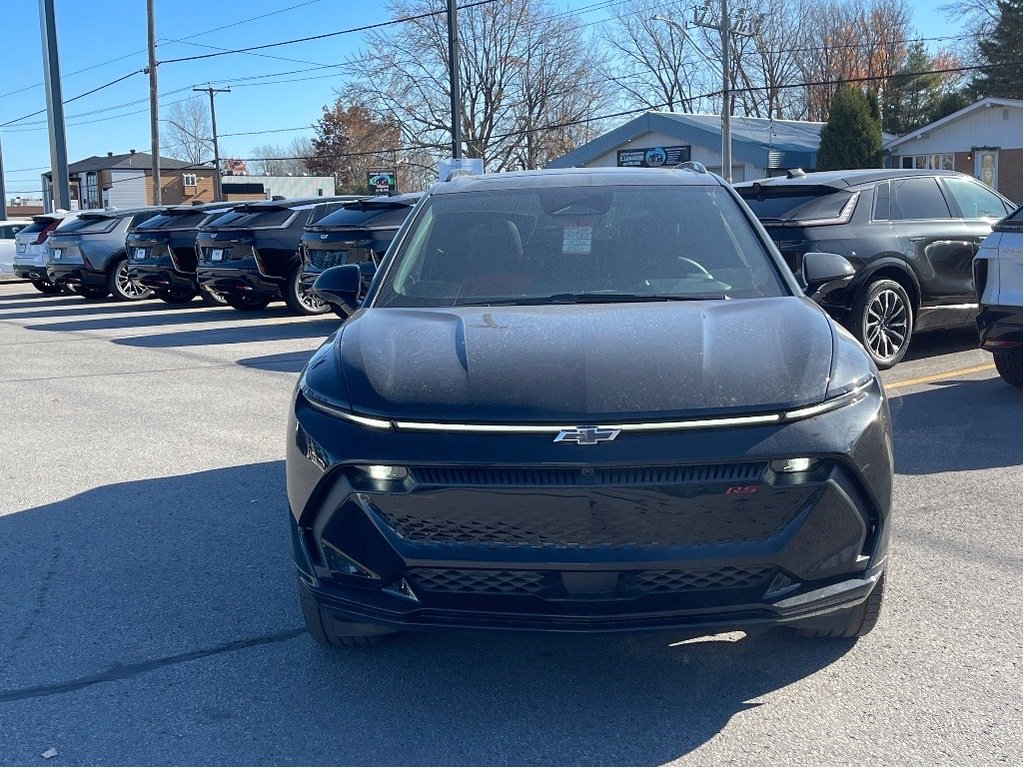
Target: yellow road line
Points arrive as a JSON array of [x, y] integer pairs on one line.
[[938, 376]]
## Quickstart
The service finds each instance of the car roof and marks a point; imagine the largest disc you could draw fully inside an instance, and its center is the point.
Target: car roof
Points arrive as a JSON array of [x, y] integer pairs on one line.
[[256, 206], [843, 179], [117, 213], [578, 177]]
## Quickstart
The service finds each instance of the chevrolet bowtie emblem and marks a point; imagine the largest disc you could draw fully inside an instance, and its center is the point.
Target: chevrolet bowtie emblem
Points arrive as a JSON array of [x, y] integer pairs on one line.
[[587, 435]]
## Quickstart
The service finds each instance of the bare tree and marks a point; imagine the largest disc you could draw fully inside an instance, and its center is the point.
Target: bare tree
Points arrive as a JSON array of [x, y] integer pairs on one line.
[[188, 131], [275, 160], [403, 74], [658, 65]]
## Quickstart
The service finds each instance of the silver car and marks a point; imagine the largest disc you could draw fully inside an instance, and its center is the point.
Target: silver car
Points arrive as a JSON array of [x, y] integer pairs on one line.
[[30, 250]]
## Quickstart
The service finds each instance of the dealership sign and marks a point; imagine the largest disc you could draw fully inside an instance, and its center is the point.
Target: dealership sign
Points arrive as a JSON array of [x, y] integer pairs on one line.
[[381, 181], [652, 157]]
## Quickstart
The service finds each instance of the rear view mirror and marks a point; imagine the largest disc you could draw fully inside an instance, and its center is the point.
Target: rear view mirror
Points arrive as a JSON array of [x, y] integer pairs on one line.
[[824, 272], [340, 286]]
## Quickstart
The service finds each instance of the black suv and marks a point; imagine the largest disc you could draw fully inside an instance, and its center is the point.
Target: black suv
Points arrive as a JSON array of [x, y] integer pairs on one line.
[[250, 254], [910, 235], [162, 253], [88, 254], [359, 233]]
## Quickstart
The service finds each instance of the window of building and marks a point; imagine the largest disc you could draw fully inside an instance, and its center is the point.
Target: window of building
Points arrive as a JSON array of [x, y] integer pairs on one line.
[[92, 194], [938, 162], [188, 179]]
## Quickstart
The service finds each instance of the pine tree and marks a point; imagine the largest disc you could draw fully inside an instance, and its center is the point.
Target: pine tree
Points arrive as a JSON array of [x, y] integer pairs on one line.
[[911, 99], [1001, 52], [852, 137]]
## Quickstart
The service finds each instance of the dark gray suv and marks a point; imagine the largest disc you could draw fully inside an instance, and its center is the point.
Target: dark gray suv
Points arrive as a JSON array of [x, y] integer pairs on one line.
[[910, 235], [87, 254]]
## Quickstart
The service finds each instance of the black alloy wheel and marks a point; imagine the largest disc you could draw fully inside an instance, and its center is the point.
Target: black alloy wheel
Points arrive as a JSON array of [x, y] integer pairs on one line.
[[247, 303], [45, 286], [122, 287], [882, 320], [302, 302]]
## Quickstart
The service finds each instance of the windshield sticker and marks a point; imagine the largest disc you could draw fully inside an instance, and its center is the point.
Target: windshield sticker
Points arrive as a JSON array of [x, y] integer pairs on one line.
[[577, 236]]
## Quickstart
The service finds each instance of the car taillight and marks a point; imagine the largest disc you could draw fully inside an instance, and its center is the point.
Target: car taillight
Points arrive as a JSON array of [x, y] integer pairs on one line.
[[44, 233]]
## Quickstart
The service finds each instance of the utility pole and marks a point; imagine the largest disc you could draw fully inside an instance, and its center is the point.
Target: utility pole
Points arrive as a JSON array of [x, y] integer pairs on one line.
[[54, 108], [3, 189], [154, 114], [703, 17], [453, 75], [217, 194]]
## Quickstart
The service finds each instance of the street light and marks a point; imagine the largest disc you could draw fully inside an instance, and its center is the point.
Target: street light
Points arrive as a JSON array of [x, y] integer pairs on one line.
[[724, 65]]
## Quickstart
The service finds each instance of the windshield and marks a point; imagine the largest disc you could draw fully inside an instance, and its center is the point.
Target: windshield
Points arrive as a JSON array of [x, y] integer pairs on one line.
[[584, 244], [244, 218]]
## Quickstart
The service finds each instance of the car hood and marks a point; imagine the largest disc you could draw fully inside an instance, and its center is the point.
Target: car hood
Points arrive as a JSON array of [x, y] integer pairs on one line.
[[582, 363]]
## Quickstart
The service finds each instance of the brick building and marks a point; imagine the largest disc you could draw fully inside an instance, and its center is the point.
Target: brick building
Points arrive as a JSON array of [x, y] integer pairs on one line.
[[983, 140]]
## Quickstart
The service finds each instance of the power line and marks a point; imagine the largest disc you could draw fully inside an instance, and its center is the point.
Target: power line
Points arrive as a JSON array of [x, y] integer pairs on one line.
[[323, 36], [75, 98]]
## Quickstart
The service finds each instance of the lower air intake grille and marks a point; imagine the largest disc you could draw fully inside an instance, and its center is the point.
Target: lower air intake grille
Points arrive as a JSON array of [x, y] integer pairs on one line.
[[534, 476]]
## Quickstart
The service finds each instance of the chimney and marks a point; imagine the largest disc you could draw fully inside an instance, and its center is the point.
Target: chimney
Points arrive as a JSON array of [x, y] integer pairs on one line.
[[131, 151], [110, 154]]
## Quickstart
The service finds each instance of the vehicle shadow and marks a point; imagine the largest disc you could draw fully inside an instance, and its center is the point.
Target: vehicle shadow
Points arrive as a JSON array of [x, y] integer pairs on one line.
[[169, 604], [942, 342], [286, 362], [86, 309], [954, 425], [136, 319], [301, 329]]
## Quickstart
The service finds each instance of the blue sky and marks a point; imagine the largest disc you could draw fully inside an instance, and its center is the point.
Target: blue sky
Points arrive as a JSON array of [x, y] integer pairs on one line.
[[108, 41]]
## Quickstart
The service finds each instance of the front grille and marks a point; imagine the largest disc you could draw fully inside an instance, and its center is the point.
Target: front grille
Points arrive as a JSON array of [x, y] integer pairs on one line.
[[451, 477], [600, 520], [325, 259], [486, 581]]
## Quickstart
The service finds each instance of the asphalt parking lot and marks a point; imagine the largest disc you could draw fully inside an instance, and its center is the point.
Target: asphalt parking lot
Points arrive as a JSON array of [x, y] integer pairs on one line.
[[148, 611]]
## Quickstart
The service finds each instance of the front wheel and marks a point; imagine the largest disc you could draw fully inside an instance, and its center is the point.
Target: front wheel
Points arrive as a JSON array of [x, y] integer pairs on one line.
[[855, 622], [331, 633], [882, 320], [247, 303], [300, 301], [1008, 364], [122, 287]]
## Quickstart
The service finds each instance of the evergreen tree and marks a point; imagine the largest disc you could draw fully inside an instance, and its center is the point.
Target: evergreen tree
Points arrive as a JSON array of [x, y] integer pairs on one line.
[[911, 99], [852, 137], [1001, 53]]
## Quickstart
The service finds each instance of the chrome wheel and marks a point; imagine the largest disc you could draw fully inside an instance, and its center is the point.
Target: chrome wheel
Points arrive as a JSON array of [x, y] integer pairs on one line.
[[300, 301], [123, 287]]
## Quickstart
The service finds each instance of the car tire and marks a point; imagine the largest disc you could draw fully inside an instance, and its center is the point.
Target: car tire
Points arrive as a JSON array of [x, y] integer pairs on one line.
[[179, 296], [883, 321], [330, 633], [1008, 364], [121, 287], [211, 298], [45, 286], [855, 622], [88, 292], [247, 303], [302, 302]]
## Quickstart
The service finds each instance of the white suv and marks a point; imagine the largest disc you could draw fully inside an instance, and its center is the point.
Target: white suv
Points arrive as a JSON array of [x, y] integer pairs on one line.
[[30, 259], [8, 229], [998, 277]]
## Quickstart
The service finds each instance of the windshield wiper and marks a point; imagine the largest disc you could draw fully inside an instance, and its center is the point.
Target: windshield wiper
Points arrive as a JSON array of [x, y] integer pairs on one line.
[[594, 298]]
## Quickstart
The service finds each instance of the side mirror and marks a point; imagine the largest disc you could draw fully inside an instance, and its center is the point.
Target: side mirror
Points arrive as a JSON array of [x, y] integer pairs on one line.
[[340, 286], [824, 272]]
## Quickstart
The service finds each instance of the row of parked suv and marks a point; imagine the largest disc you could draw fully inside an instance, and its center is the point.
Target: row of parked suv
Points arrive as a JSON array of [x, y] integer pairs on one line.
[[244, 255], [910, 235]]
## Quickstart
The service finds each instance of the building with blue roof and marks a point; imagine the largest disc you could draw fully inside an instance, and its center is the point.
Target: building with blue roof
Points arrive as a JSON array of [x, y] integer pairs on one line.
[[760, 146]]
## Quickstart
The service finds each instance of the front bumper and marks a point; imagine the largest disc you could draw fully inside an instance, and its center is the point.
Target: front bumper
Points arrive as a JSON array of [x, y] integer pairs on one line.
[[663, 531], [1000, 328]]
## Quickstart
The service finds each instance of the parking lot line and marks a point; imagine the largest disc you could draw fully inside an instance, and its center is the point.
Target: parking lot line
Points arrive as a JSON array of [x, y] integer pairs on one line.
[[938, 376]]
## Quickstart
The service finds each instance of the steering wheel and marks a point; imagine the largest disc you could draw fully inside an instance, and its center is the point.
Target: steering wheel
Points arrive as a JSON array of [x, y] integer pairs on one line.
[[697, 266]]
